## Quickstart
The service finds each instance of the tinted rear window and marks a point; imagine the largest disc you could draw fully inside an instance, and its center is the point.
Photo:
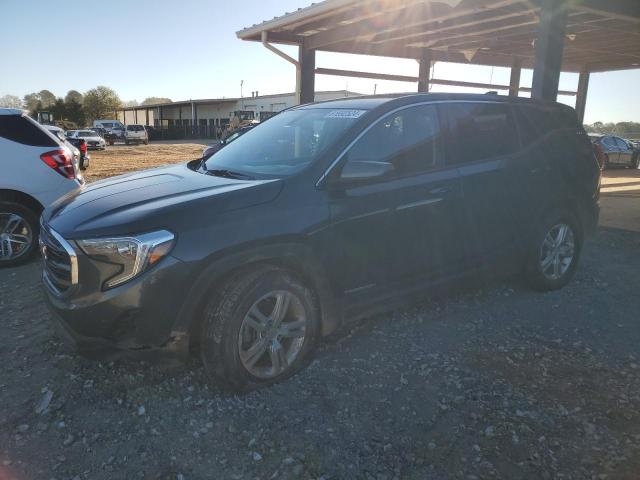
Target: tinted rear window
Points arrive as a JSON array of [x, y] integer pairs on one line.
[[135, 128], [25, 131], [481, 131], [537, 122]]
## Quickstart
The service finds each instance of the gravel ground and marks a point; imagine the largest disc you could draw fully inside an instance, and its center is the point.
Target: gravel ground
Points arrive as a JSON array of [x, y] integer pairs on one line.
[[485, 382]]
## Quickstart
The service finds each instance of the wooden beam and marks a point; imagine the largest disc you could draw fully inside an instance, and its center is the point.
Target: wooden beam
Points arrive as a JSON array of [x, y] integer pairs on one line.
[[549, 49], [374, 76], [514, 80], [395, 13], [410, 79], [627, 10], [307, 62], [424, 71], [453, 24], [581, 97]]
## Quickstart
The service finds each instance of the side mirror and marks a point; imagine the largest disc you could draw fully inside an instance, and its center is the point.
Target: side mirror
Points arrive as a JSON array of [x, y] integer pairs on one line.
[[356, 171]]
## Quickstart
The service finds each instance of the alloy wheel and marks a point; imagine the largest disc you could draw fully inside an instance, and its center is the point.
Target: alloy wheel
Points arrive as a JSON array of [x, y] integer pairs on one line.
[[557, 251], [16, 236], [272, 334]]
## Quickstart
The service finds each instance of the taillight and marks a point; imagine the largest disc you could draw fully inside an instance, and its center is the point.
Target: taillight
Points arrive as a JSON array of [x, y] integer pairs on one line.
[[83, 146], [61, 161]]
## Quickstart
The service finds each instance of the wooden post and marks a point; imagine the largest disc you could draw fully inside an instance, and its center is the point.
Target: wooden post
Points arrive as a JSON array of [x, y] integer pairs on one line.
[[514, 81], [307, 72], [581, 97], [549, 49], [424, 71]]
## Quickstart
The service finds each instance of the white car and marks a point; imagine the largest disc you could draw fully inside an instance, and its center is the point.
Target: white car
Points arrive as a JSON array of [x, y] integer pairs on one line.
[[93, 139], [136, 134], [37, 168]]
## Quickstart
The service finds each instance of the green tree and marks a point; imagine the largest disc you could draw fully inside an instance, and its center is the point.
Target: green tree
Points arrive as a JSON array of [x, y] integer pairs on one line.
[[31, 102], [100, 102], [73, 95], [47, 98], [75, 112], [58, 109], [155, 100], [130, 103], [10, 101]]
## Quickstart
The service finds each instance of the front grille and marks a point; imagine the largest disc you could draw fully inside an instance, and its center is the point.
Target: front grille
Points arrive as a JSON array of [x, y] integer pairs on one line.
[[60, 265]]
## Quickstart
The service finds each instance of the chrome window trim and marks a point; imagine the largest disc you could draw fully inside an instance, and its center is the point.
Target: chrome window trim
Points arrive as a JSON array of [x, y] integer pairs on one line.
[[391, 112]]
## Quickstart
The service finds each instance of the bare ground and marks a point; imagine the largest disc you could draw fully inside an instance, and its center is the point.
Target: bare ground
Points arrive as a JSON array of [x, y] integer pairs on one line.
[[119, 159]]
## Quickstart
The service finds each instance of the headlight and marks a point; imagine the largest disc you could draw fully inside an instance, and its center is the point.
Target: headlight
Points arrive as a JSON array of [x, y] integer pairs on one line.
[[132, 254]]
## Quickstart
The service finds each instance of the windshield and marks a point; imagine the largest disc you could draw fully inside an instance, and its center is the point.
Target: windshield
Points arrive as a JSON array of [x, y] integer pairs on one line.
[[285, 144], [86, 133]]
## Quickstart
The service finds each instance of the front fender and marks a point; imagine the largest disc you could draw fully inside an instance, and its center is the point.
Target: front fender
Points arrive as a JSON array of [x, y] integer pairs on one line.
[[296, 257]]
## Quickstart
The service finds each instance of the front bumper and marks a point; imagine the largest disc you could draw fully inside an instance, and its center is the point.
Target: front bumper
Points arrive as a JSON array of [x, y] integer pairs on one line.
[[138, 314]]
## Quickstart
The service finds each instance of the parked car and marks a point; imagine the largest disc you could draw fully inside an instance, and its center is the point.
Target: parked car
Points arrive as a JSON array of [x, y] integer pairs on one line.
[[77, 146], [325, 212], [93, 139], [136, 134], [37, 167], [109, 137], [616, 151], [211, 149]]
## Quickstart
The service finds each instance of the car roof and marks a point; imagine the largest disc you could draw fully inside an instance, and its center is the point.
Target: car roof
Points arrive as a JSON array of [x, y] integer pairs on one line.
[[12, 111], [371, 102]]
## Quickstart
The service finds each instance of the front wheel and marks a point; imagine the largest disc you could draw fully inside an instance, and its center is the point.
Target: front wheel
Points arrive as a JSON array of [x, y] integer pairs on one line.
[[19, 230], [553, 254], [260, 329]]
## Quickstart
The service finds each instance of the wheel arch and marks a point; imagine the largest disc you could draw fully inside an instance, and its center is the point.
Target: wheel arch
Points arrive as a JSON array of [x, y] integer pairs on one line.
[[297, 258], [22, 198]]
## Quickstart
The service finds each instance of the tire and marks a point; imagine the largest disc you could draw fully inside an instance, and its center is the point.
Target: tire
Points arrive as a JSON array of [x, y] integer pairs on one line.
[[126, 142], [146, 142], [28, 230], [635, 161], [228, 337], [542, 275]]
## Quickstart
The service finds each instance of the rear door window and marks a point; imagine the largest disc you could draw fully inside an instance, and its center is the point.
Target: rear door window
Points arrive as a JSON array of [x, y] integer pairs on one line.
[[411, 140], [23, 130], [480, 131]]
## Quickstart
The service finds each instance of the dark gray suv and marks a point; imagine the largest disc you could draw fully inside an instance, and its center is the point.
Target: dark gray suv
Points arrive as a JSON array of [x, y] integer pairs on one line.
[[322, 213]]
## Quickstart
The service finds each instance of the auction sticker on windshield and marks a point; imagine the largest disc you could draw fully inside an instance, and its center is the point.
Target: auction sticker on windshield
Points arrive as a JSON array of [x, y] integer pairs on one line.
[[345, 113]]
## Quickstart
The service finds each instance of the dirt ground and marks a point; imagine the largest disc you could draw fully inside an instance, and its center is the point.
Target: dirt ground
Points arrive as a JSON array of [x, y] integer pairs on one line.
[[489, 380], [119, 159]]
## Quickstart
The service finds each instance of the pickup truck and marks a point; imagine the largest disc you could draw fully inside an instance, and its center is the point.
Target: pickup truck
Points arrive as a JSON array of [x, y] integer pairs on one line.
[[136, 134]]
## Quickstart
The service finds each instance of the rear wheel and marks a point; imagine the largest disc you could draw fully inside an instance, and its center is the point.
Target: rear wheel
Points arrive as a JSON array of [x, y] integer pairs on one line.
[[261, 329], [19, 229], [553, 254]]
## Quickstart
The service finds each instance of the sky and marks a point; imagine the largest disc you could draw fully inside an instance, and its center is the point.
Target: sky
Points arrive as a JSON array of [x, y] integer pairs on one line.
[[189, 50]]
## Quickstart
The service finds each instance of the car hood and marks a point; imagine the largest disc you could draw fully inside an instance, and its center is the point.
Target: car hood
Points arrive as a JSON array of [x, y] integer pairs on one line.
[[152, 199]]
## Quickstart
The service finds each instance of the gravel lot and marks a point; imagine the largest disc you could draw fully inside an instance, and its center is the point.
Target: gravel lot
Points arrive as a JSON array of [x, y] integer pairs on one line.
[[490, 381]]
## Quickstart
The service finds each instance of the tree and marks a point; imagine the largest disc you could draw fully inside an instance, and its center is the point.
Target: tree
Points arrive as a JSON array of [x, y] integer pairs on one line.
[[101, 102], [47, 98], [31, 102], [73, 95], [155, 100], [10, 101], [130, 103]]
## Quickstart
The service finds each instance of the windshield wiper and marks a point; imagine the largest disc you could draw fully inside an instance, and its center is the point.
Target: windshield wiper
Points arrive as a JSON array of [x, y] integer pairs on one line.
[[229, 174]]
